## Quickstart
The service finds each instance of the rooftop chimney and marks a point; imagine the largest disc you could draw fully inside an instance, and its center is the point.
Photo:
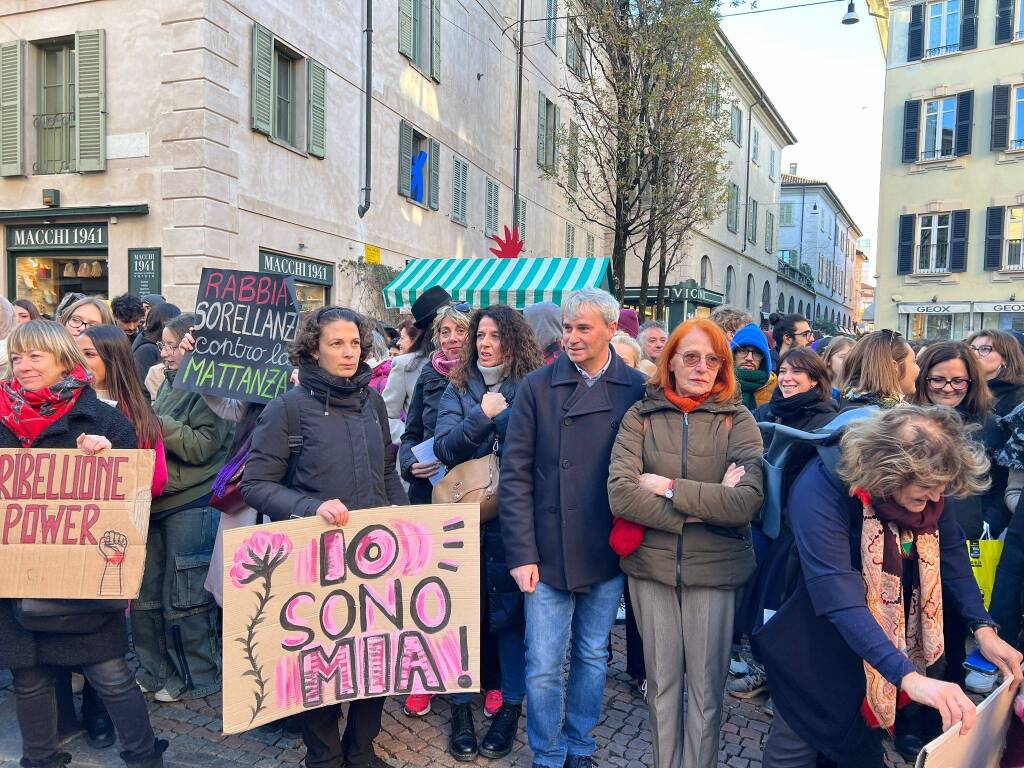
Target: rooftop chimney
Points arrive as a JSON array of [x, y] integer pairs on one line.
[[792, 169]]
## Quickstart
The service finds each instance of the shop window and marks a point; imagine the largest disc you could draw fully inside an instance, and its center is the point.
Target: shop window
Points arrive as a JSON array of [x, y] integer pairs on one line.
[[45, 280]]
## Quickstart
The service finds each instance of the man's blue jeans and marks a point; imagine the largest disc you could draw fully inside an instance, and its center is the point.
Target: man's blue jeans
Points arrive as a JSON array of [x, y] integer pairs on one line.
[[559, 722]]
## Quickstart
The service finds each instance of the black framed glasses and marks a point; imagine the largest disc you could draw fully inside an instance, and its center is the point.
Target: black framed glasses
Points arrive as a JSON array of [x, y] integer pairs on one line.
[[744, 352], [939, 383]]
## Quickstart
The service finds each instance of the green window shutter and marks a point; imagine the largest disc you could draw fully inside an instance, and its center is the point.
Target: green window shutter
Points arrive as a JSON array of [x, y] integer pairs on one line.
[[554, 139], [570, 48], [590, 245], [574, 155], [404, 159], [460, 185], [434, 161], [552, 22], [12, 86], [542, 130], [405, 34], [570, 240], [435, 40], [91, 100], [522, 219], [491, 206], [316, 104], [262, 86]]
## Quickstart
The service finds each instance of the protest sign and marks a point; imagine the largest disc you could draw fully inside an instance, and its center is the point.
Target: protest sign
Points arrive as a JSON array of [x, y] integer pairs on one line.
[[316, 614], [73, 526], [982, 746], [246, 320]]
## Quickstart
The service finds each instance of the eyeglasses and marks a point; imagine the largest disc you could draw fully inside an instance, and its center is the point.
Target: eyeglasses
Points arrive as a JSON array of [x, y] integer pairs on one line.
[[76, 322], [172, 348], [939, 383], [744, 352], [692, 360], [808, 334], [983, 350]]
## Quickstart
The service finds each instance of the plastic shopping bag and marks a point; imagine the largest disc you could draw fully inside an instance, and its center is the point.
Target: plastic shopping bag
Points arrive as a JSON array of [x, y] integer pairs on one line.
[[985, 553]]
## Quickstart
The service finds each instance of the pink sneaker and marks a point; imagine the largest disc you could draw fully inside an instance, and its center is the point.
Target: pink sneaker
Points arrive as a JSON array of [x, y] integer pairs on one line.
[[492, 703], [417, 704]]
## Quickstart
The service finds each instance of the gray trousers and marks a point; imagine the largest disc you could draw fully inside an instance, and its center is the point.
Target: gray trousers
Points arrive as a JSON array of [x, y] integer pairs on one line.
[[785, 749], [686, 631]]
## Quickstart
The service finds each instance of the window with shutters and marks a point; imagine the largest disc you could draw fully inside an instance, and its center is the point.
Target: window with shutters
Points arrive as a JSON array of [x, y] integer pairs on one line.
[[492, 207], [755, 150], [419, 162], [733, 208], [1014, 234], [551, 26], [736, 124], [285, 101], [570, 240], [751, 220], [786, 211], [460, 188], [939, 128], [547, 133], [55, 124], [773, 163], [521, 219], [1017, 111], [932, 244], [591, 245], [419, 35], [942, 28], [769, 232], [575, 50], [1019, 27]]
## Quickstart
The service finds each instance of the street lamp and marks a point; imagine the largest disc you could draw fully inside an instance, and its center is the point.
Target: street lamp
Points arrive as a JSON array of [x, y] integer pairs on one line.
[[851, 16]]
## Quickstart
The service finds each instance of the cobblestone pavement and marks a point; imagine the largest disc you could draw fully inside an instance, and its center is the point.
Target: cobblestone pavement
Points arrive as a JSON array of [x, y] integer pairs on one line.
[[193, 729]]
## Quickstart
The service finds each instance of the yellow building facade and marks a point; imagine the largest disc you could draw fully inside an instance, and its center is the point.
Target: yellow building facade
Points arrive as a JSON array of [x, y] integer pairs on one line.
[[951, 199]]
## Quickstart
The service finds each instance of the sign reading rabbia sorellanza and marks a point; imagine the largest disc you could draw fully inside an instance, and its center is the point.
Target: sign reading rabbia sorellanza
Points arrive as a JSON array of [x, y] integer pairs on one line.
[[314, 614], [246, 320], [71, 525]]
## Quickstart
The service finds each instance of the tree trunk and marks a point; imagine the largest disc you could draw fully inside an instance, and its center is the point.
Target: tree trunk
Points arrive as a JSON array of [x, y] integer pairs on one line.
[[662, 276]]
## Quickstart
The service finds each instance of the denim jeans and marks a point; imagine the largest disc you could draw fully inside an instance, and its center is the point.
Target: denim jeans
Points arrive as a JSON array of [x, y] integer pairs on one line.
[[174, 619], [512, 658], [561, 717], [36, 707]]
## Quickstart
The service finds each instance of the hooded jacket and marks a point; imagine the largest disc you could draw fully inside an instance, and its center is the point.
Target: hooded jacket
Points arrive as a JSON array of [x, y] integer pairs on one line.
[[545, 318], [751, 335]]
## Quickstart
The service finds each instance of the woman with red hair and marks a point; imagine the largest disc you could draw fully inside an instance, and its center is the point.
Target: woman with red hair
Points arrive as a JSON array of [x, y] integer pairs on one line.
[[684, 484]]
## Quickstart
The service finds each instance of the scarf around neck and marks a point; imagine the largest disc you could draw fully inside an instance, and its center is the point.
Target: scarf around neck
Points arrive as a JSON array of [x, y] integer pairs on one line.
[[786, 408], [349, 394], [443, 365], [492, 375], [686, 403], [750, 382], [891, 536], [28, 414], [885, 402]]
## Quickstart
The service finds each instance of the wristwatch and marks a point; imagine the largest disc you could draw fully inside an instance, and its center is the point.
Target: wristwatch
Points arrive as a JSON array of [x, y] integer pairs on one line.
[[670, 491], [974, 626]]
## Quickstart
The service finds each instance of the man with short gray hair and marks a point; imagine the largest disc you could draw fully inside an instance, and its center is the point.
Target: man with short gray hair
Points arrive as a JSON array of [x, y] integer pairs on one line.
[[556, 520], [653, 337]]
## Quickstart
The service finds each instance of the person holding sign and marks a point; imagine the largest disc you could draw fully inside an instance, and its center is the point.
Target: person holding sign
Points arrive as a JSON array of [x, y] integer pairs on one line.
[[174, 620], [49, 404], [324, 448], [471, 422]]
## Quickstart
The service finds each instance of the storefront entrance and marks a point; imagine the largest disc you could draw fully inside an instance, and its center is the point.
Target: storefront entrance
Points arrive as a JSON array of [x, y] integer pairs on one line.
[[313, 279], [682, 301]]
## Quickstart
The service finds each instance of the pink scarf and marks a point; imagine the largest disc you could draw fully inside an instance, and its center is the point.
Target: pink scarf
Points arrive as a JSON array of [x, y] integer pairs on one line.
[[443, 365]]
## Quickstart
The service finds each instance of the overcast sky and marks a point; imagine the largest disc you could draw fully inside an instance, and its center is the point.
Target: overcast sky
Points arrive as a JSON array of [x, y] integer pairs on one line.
[[826, 80]]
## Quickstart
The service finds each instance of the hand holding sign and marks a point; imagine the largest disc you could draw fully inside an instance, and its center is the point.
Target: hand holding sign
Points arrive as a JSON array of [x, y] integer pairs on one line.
[[93, 444]]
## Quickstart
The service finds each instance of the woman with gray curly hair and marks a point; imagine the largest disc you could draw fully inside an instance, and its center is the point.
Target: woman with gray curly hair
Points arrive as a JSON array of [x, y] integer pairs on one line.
[[863, 620]]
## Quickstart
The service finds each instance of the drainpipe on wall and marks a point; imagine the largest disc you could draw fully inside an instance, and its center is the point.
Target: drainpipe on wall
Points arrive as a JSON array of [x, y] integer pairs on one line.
[[368, 87]]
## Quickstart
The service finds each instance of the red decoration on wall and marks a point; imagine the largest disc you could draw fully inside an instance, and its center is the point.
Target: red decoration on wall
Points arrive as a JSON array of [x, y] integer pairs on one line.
[[510, 247]]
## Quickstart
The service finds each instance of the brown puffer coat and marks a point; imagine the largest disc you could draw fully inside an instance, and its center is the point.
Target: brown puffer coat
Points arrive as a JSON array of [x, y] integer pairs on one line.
[[695, 449]]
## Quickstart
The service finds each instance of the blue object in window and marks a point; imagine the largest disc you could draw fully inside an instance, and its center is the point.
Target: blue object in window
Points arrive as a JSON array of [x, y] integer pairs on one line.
[[418, 187]]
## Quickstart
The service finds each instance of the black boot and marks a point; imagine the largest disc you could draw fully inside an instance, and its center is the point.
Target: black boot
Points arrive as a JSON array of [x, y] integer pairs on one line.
[[58, 760], [100, 731], [504, 726], [152, 759], [462, 742]]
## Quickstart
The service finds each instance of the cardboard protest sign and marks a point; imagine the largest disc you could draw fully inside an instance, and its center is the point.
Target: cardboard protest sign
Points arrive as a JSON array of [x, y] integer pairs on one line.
[[316, 614], [246, 320], [982, 746], [71, 525]]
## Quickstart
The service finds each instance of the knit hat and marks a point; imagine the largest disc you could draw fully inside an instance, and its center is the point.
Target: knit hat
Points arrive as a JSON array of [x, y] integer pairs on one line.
[[750, 335], [545, 318], [629, 322]]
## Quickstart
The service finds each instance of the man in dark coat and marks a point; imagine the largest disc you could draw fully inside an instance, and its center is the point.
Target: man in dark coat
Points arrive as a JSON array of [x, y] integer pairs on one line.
[[556, 522]]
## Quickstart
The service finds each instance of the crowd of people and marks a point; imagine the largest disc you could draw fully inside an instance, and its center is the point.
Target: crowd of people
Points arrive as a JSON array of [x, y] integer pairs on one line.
[[634, 484]]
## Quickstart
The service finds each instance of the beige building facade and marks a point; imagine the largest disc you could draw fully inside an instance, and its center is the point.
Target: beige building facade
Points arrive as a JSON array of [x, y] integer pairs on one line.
[[951, 203], [140, 142]]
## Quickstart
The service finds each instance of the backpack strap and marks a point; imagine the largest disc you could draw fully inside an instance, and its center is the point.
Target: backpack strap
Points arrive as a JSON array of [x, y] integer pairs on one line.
[[291, 408]]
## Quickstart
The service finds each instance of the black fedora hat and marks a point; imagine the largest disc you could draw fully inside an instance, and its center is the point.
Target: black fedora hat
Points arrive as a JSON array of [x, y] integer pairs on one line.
[[424, 309]]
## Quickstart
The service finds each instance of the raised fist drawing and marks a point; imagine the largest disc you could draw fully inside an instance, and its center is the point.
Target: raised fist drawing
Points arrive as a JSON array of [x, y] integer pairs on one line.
[[112, 546]]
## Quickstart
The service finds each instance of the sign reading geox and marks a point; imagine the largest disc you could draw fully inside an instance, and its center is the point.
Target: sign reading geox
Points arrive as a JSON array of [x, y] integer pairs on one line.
[[935, 308], [57, 236]]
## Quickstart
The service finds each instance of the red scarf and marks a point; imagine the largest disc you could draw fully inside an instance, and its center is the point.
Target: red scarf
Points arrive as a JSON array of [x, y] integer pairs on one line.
[[27, 414]]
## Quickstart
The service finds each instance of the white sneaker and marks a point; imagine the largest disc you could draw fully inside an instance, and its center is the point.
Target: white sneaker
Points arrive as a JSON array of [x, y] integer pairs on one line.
[[738, 667], [620, 615], [166, 697], [980, 682]]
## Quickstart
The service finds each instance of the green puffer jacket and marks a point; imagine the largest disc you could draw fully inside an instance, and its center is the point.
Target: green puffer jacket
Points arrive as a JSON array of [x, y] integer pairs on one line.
[[196, 441], [694, 449]]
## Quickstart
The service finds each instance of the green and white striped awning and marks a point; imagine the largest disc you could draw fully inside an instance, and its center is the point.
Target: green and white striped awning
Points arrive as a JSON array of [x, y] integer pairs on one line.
[[483, 282]]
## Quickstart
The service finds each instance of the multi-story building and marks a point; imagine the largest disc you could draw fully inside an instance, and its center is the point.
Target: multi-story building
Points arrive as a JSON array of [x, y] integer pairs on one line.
[[951, 202], [818, 244], [732, 260], [140, 142]]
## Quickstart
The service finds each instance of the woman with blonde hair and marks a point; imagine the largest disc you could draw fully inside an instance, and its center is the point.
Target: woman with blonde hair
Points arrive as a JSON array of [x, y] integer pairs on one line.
[[687, 458], [85, 313], [880, 370], [835, 357], [862, 622]]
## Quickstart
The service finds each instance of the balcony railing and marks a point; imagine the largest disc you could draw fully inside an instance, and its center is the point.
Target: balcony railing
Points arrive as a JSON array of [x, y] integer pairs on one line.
[[55, 143], [936, 154], [793, 274], [942, 50], [932, 259], [1017, 143], [1013, 255]]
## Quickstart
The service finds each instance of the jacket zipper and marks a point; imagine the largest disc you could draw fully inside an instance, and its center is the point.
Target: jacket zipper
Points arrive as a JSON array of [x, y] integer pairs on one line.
[[679, 541]]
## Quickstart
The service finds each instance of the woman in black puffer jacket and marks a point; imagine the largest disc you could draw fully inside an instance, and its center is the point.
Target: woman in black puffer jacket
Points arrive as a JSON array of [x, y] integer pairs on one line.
[[803, 397], [49, 404]]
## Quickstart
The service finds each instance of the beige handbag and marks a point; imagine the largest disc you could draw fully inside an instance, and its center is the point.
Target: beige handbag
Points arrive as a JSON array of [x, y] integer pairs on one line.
[[472, 481]]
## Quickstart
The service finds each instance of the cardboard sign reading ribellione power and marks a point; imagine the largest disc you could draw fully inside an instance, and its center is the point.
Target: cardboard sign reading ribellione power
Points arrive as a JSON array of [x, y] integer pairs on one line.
[[72, 525], [316, 614], [982, 746]]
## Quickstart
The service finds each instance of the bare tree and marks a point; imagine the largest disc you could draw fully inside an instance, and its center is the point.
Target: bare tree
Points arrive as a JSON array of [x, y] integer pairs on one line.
[[645, 134]]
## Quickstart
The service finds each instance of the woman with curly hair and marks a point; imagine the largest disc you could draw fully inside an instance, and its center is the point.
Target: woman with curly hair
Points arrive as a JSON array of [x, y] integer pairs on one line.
[[500, 350], [879, 550]]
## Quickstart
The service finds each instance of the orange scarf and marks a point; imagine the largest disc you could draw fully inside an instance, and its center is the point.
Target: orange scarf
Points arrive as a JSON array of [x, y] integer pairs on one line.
[[685, 403]]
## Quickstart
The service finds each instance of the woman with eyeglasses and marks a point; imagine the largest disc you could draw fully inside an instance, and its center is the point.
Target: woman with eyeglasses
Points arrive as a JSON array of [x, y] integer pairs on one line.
[[174, 620], [85, 313], [1002, 363], [144, 347], [684, 484], [879, 371]]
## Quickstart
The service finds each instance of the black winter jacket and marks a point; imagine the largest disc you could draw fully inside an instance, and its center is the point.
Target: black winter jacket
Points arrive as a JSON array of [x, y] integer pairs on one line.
[[419, 426], [345, 453], [21, 648]]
